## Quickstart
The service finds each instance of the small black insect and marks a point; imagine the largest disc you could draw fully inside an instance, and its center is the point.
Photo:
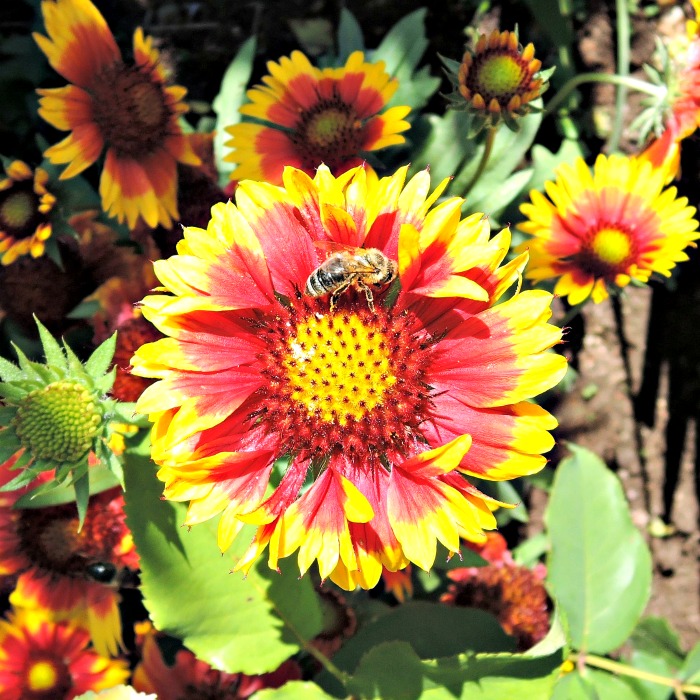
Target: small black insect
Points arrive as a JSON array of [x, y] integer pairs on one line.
[[101, 571]]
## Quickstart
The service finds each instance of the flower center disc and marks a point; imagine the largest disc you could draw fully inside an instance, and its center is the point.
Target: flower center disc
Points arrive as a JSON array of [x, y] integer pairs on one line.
[[18, 211], [607, 252], [59, 422], [338, 372], [498, 76], [329, 133], [46, 677], [350, 381], [131, 111]]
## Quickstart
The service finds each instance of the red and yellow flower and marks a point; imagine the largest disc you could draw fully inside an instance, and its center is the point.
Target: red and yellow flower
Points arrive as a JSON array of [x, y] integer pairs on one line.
[[45, 660], [25, 205], [602, 229], [313, 116], [126, 110], [380, 411], [51, 564]]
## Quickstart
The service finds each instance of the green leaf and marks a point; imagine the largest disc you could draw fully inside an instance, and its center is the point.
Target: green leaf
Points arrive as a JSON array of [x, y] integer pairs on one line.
[[573, 687], [655, 636], [432, 629], [442, 143], [389, 670], [404, 44], [605, 685], [647, 690], [393, 671], [99, 362], [494, 202], [349, 35], [690, 672], [401, 50], [509, 149], [294, 690], [599, 567], [231, 96], [544, 162], [238, 625]]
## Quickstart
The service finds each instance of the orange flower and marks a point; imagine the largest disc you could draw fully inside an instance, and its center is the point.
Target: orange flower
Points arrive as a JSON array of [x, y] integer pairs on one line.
[[128, 111]]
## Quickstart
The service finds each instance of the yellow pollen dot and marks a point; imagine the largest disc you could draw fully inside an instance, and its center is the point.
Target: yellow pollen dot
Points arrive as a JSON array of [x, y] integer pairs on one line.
[[325, 127], [611, 245], [17, 209], [499, 75], [41, 676], [338, 368]]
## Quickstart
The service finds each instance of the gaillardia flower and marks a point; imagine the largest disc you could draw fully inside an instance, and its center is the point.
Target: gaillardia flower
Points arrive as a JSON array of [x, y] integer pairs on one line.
[[315, 116], [67, 574], [497, 80], [128, 111], [45, 660], [25, 205], [379, 404], [603, 229]]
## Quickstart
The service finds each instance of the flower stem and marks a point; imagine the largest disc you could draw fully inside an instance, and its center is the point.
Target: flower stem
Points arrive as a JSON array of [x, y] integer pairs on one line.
[[623, 69], [488, 147], [621, 669], [583, 78]]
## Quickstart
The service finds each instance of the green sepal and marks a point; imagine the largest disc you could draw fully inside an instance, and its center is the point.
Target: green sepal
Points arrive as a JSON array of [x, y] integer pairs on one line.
[[12, 392], [10, 372], [105, 383], [52, 350], [75, 366], [99, 362], [53, 494], [27, 367], [82, 496], [25, 477], [9, 445]]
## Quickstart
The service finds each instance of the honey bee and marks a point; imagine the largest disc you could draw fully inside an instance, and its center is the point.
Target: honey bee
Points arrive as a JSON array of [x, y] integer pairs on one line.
[[350, 267]]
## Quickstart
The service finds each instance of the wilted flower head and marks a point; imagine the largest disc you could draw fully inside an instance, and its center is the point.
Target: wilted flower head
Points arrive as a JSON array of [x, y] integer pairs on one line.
[[312, 116], [514, 594], [497, 80], [25, 205]]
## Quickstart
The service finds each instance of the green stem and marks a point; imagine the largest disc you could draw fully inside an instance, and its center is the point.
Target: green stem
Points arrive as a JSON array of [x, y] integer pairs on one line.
[[488, 147], [623, 670], [583, 78], [623, 70]]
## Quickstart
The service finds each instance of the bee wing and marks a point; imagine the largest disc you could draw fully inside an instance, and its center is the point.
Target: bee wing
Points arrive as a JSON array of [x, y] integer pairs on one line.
[[329, 247]]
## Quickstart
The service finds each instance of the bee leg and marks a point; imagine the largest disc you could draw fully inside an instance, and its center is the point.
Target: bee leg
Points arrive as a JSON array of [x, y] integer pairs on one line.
[[337, 292], [368, 294]]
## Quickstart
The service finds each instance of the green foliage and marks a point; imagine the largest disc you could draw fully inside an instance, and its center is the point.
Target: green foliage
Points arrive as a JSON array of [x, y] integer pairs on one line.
[[232, 95], [241, 625], [599, 567]]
